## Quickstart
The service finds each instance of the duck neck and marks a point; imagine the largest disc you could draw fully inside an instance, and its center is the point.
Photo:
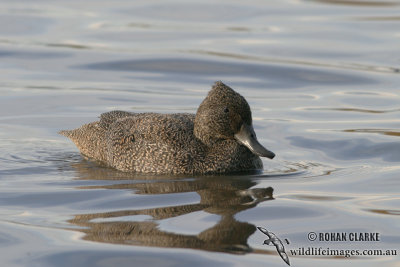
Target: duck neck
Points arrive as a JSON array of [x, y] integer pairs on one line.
[[203, 132]]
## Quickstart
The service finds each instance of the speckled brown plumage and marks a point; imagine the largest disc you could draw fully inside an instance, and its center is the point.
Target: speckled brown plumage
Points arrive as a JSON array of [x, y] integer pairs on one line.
[[178, 143]]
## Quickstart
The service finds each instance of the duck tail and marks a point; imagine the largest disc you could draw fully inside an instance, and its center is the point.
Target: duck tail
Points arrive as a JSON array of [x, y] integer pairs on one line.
[[90, 140], [66, 133]]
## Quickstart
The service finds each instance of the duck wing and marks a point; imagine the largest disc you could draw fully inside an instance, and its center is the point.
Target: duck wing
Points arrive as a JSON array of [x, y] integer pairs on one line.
[[108, 118], [151, 142]]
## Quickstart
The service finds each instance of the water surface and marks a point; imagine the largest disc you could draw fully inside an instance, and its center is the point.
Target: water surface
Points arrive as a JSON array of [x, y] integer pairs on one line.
[[322, 78]]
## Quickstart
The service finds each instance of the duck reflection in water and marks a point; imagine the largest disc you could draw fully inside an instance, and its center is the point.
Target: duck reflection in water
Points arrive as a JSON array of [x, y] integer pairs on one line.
[[221, 195]]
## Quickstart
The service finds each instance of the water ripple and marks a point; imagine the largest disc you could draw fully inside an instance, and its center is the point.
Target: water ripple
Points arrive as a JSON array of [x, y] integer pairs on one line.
[[360, 3], [185, 66]]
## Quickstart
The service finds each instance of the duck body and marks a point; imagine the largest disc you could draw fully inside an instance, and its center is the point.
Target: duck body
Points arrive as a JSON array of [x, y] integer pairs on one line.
[[208, 142]]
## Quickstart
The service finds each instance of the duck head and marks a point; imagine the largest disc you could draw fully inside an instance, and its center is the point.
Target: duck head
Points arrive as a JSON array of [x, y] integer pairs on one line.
[[225, 114]]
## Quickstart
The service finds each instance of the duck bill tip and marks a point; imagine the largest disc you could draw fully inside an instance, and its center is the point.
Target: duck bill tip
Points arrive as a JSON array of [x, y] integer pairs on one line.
[[247, 137]]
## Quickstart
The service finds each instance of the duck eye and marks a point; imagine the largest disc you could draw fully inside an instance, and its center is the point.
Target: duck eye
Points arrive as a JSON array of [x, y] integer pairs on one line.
[[226, 110]]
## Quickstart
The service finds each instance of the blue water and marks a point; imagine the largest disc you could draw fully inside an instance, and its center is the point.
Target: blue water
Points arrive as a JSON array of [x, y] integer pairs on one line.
[[322, 79]]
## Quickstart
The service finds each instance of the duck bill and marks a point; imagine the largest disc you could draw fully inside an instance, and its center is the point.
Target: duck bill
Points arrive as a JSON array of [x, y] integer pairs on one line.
[[247, 137]]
